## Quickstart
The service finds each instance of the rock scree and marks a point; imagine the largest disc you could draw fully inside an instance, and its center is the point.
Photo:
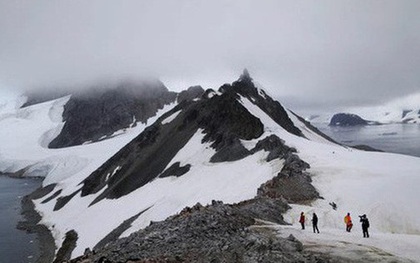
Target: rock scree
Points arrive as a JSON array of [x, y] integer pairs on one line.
[[215, 233]]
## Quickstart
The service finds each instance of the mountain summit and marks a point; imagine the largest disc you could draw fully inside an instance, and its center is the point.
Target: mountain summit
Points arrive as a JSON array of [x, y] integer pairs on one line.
[[202, 145], [222, 119], [138, 163]]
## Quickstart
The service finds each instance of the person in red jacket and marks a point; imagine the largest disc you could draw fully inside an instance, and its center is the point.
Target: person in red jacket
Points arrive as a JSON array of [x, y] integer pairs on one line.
[[348, 222], [302, 220]]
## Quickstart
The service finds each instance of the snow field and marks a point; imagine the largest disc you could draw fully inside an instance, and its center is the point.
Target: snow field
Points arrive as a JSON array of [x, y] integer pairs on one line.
[[381, 185], [379, 247]]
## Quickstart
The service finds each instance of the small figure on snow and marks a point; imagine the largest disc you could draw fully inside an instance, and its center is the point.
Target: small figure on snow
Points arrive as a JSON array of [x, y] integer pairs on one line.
[[365, 225], [302, 220], [315, 222], [348, 222]]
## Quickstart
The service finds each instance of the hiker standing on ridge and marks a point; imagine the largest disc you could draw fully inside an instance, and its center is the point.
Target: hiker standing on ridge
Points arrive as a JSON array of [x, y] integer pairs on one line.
[[302, 220], [315, 222], [365, 225], [348, 222]]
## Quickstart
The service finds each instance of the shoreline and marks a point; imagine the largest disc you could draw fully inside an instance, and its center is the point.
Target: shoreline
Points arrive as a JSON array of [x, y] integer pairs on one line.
[[29, 223]]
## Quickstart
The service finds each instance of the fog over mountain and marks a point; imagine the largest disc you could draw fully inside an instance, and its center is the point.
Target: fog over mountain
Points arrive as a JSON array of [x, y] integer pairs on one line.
[[309, 55]]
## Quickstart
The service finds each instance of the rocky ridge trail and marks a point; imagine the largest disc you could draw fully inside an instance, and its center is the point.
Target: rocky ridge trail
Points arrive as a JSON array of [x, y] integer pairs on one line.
[[215, 233]]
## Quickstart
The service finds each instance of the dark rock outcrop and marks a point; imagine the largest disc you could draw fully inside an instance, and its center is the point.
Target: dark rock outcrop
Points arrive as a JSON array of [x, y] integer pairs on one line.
[[215, 233], [347, 119], [267, 209], [97, 113], [175, 170], [292, 183], [232, 151], [69, 244], [63, 200], [191, 93], [275, 146], [52, 197], [116, 233], [246, 88]]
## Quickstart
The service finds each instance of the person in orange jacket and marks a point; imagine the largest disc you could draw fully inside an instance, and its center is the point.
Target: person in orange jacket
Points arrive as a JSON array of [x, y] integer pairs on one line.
[[302, 220], [348, 222]]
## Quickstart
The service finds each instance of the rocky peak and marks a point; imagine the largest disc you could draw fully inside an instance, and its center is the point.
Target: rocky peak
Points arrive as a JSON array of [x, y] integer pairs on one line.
[[191, 93], [98, 112], [245, 76], [246, 88]]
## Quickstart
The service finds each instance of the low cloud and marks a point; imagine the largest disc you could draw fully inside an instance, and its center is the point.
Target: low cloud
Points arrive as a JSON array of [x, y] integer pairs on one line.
[[326, 54]]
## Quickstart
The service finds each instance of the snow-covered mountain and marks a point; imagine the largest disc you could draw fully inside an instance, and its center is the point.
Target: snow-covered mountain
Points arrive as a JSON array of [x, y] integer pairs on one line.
[[401, 110], [230, 144], [377, 117]]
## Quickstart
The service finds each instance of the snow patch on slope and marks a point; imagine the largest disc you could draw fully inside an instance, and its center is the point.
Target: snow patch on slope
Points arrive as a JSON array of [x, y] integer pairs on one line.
[[171, 117]]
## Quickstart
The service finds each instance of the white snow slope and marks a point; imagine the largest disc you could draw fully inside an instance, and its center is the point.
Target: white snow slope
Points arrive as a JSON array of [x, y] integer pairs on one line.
[[381, 185]]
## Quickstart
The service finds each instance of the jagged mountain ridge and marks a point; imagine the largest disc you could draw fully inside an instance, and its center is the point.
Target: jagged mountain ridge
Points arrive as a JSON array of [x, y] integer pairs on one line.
[[105, 180], [224, 122], [218, 120]]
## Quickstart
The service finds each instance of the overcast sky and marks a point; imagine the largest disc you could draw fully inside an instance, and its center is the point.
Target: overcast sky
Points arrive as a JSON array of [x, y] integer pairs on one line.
[[305, 53]]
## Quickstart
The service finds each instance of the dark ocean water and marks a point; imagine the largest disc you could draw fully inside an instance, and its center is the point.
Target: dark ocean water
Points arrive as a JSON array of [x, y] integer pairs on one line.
[[16, 246], [395, 138]]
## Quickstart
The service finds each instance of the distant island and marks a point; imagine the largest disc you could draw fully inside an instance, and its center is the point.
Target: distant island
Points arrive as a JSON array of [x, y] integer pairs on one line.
[[347, 119]]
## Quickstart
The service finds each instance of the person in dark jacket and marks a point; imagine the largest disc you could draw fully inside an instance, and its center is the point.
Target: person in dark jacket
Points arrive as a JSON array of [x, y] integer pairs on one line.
[[302, 220], [365, 225], [315, 222]]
